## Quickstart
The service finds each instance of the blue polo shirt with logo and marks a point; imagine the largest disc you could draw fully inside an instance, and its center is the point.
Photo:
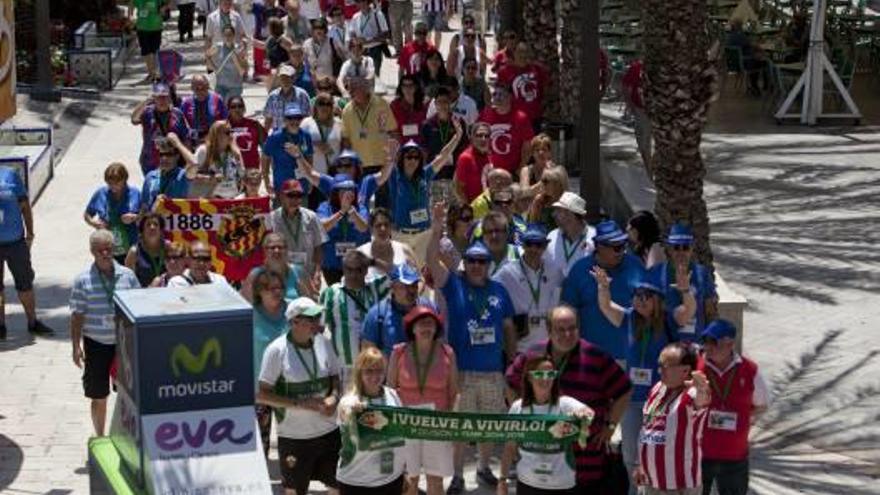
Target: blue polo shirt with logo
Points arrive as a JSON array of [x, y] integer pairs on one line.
[[383, 325], [11, 192], [581, 292], [283, 165], [476, 333]]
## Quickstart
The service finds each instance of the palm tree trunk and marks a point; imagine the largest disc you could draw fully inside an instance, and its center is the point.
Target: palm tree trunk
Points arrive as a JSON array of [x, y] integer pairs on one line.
[[570, 56], [540, 32], [679, 84]]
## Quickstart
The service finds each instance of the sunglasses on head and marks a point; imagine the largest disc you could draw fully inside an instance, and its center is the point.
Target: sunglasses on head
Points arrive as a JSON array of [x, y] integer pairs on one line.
[[543, 374]]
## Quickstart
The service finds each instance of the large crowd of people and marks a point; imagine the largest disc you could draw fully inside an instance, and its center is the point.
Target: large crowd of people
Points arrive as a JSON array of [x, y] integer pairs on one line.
[[425, 251]]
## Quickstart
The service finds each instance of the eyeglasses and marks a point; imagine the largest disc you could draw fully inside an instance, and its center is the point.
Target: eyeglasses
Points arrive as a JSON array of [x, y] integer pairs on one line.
[[543, 374], [203, 258], [614, 247], [476, 261], [681, 247], [293, 195]]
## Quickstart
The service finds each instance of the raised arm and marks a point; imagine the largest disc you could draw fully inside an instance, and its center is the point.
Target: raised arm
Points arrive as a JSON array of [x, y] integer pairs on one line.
[[445, 156], [391, 146], [612, 311], [685, 312], [438, 271]]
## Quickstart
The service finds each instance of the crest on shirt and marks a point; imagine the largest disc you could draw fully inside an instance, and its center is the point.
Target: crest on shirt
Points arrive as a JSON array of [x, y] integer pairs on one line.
[[241, 231], [525, 86]]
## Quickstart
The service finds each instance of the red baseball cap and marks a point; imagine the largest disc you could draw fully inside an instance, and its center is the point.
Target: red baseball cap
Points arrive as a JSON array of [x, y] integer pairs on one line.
[[291, 185]]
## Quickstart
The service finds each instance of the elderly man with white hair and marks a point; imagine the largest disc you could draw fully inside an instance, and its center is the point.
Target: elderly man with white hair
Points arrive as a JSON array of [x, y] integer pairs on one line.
[[93, 321]]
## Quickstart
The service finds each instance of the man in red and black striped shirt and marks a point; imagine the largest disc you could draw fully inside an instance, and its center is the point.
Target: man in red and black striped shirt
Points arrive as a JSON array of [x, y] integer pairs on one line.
[[589, 375]]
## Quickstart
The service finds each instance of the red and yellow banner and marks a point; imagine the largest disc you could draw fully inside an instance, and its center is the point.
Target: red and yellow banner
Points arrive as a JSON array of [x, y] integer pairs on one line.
[[233, 228]]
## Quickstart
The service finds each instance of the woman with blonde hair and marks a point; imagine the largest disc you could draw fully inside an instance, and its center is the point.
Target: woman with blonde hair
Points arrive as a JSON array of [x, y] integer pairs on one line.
[[217, 167], [554, 182], [542, 159], [378, 471]]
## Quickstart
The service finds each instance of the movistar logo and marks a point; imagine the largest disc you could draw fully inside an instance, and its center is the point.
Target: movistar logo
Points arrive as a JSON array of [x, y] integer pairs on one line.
[[181, 356]]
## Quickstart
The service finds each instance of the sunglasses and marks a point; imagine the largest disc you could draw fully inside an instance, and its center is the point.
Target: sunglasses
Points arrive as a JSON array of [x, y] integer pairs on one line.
[[533, 244], [681, 247], [236, 107], [294, 195], [476, 261], [206, 259], [503, 202], [615, 247], [293, 119], [324, 103], [543, 374], [412, 156]]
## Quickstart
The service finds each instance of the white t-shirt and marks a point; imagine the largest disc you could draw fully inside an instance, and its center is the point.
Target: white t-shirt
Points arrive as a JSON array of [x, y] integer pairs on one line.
[[319, 56], [284, 368], [186, 280], [332, 136], [546, 471], [465, 108], [368, 26], [214, 26], [398, 256], [557, 246], [310, 9], [368, 468], [520, 280], [364, 69]]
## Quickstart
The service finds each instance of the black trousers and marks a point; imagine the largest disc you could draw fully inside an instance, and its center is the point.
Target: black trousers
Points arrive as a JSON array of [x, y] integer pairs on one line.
[[185, 21], [730, 477]]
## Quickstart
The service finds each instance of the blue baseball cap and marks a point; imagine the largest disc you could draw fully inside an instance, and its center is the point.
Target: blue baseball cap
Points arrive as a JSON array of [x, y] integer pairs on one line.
[[719, 329], [535, 233], [348, 155], [293, 110], [680, 235], [648, 286], [410, 145], [608, 232], [343, 181], [477, 251], [404, 274]]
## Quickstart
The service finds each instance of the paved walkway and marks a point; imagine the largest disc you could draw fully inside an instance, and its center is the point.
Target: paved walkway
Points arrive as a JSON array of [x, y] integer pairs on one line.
[[794, 230]]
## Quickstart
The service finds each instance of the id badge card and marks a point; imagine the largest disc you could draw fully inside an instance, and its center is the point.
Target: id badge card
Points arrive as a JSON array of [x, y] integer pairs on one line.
[[690, 328], [641, 376], [418, 216], [297, 257], [722, 420], [536, 322], [482, 336], [410, 130], [343, 247], [386, 462]]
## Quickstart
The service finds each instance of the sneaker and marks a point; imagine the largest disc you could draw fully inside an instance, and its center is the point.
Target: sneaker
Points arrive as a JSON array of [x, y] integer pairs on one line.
[[39, 328], [486, 476], [456, 486]]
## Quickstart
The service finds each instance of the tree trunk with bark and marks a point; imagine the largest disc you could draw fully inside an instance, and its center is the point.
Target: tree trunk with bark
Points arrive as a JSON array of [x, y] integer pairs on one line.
[[570, 61], [540, 32], [680, 79]]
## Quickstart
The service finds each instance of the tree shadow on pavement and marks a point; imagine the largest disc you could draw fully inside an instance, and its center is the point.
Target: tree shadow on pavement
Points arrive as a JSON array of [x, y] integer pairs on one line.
[[815, 403], [11, 458]]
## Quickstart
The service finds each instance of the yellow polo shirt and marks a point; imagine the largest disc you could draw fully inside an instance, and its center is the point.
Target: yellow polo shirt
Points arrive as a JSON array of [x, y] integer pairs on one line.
[[368, 130]]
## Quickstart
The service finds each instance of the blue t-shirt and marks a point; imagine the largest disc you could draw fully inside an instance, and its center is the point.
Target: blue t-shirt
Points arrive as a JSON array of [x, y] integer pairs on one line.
[[283, 165], [580, 291], [110, 211], [342, 237], [642, 355], [477, 331], [11, 192], [173, 184], [663, 275], [409, 199], [266, 329], [383, 325]]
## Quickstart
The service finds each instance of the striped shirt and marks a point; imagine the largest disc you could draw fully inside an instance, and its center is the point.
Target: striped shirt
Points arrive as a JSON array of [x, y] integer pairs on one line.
[[433, 5], [344, 313], [92, 296], [591, 376], [669, 441]]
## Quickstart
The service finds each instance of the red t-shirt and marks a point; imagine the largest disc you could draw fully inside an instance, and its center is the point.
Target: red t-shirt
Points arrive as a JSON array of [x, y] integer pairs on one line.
[[249, 136], [409, 121], [500, 60], [632, 83], [528, 83], [509, 132], [469, 172], [412, 57]]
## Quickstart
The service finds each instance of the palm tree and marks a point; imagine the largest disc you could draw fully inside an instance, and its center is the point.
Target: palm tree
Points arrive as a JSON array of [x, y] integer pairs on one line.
[[540, 33], [570, 40], [680, 78]]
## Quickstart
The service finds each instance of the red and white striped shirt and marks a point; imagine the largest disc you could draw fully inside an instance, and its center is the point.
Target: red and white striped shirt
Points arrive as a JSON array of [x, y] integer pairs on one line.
[[669, 442]]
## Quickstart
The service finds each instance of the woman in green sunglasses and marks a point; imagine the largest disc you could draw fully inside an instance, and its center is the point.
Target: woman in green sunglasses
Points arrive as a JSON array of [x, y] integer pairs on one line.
[[544, 468]]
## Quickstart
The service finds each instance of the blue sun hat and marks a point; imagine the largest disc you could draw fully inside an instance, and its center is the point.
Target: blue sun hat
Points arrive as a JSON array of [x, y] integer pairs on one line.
[[719, 329], [477, 251], [680, 235], [609, 233], [343, 181]]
